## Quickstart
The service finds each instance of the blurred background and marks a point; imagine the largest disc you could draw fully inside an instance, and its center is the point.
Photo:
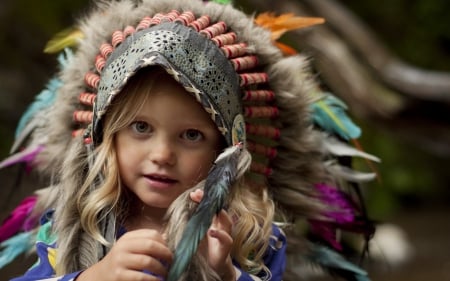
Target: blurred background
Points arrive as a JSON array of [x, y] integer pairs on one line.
[[390, 62]]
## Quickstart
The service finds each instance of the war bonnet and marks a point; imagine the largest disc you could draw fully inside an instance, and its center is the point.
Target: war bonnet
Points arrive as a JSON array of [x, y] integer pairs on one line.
[[254, 94]]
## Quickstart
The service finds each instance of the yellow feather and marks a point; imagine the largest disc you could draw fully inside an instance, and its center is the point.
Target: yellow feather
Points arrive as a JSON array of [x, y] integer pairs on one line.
[[66, 38]]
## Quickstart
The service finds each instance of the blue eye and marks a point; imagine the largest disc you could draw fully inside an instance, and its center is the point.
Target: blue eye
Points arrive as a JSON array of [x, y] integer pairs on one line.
[[141, 127], [192, 135]]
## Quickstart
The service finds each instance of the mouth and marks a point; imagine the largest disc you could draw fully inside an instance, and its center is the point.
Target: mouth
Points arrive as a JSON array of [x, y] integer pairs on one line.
[[161, 178], [160, 181]]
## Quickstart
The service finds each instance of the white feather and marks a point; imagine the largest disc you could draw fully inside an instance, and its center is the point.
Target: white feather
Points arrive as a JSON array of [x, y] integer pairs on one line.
[[339, 148], [348, 174]]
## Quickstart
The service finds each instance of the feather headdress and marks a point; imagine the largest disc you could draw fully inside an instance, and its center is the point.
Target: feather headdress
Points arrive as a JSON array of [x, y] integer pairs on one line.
[[255, 94]]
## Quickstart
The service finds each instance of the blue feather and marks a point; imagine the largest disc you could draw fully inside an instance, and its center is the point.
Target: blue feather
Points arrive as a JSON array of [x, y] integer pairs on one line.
[[329, 113], [46, 97], [43, 100], [335, 263], [15, 246]]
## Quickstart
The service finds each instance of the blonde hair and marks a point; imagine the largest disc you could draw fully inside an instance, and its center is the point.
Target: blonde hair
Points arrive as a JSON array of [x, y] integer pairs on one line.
[[253, 228], [102, 194]]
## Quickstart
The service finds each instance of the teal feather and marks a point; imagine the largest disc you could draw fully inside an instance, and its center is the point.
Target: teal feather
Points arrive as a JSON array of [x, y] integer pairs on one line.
[[46, 97], [43, 100], [36, 114], [334, 263], [219, 180], [15, 246], [330, 114]]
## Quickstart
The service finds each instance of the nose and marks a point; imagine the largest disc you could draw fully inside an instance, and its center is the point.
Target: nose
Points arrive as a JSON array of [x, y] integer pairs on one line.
[[162, 151]]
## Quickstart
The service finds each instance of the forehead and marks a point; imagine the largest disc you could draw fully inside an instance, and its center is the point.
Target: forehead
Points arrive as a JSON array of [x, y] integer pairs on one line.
[[154, 92]]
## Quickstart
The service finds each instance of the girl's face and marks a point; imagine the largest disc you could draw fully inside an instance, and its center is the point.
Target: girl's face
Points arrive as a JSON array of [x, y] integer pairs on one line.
[[168, 147]]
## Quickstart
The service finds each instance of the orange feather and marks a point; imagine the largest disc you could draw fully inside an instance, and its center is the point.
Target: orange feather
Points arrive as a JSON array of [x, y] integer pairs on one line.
[[279, 25]]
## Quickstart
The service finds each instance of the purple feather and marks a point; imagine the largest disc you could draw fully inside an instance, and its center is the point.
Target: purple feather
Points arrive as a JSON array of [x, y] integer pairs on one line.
[[28, 155], [342, 206], [19, 219], [341, 214]]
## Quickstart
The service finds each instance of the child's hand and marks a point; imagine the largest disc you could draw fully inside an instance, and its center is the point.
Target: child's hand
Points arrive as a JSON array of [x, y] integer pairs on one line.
[[219, 242], [133, 253]]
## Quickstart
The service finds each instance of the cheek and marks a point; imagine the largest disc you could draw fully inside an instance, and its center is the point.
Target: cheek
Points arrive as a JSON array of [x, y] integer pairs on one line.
[[197, 167], [122, 164], [127, 155]]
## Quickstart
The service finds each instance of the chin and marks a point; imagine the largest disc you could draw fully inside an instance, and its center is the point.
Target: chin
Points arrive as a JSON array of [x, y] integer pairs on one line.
[[161, 203]]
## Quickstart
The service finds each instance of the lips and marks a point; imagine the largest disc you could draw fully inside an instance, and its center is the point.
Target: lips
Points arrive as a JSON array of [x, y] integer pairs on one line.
[[161, 178], [160, 181]]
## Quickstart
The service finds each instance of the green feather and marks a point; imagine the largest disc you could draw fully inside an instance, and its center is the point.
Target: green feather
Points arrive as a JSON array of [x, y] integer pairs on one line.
[[223, 2]]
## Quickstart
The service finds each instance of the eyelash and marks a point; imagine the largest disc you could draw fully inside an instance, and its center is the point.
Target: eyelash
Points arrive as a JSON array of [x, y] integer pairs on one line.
[[148, 130], [135, 124], [199, 134]]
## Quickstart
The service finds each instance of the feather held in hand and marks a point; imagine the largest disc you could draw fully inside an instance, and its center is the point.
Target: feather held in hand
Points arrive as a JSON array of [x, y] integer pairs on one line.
[[230, 165]]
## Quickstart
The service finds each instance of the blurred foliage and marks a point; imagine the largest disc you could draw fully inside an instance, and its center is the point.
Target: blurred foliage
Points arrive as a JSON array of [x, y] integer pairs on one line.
[[416, 30], [29, 23], [409, 177], [27, 26]]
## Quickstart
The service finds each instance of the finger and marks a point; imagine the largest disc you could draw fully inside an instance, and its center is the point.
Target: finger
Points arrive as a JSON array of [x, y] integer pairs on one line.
[[225, 239], [144, 234], [219, 248], [196, 195], [154, 249], [148, 263], [118, 270], [146, 246], [223, 221], [138, 275]]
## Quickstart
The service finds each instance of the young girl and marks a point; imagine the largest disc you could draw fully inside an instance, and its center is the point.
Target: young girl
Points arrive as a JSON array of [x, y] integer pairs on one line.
[[161, 92]]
